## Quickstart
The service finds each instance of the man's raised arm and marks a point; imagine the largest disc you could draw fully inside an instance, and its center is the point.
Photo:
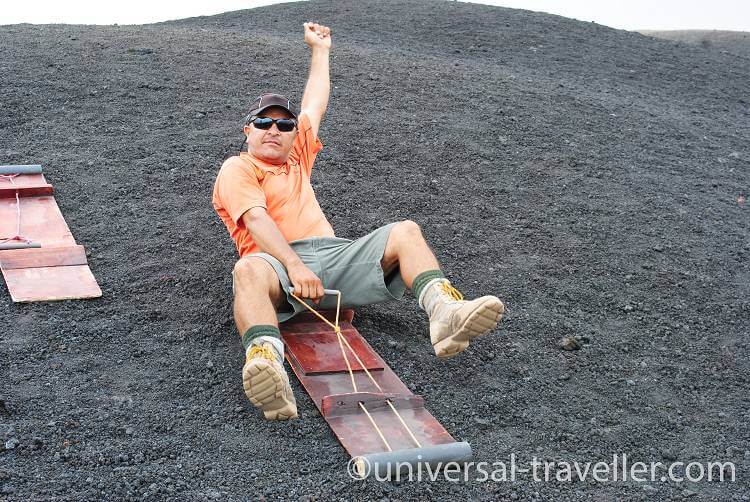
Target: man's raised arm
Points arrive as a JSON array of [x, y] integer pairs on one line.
[[315, 99]]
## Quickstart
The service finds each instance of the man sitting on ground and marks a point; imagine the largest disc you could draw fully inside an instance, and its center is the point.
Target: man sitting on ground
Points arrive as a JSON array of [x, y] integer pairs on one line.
[[266, 201]]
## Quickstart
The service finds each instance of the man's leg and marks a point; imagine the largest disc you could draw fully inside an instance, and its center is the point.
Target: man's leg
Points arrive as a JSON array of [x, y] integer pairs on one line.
[[257, 293], [453, 321], [407, 249]]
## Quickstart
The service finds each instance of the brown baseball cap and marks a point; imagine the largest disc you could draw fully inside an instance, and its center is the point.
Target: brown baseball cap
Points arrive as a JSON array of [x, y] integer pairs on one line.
[[267, 100]]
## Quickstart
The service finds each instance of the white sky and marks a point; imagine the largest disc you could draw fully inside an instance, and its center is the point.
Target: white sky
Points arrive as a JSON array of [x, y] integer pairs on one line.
[[624, 14]]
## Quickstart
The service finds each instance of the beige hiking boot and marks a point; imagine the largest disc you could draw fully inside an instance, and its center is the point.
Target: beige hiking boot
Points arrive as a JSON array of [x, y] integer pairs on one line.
[[454, 321], [267, 384]]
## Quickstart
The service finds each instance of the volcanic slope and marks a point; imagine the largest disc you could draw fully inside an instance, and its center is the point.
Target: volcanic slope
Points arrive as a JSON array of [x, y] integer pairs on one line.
[[594, 179], [735, 42]]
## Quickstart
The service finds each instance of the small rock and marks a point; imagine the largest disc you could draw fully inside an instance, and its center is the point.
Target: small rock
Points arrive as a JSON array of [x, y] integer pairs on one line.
[[210, 364], [482, 422], [238, 409], [627, 308], [141, 52], [213, 494], [392, 343], [649, 488], [688, 493], [569, 343], [668, 454], [11, 444]]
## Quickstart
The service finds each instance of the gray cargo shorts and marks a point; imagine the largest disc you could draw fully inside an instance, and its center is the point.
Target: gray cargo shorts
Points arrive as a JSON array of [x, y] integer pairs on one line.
[[352, 267]]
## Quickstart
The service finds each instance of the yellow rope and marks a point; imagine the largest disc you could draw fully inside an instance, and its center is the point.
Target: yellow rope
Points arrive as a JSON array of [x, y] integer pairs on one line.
[[349, 366], [361, 363], [413, 438], [377, 429], [316, 312], [341, 339]]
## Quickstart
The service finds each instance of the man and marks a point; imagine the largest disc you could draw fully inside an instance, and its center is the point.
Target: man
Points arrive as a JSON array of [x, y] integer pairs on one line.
[[266, 201]]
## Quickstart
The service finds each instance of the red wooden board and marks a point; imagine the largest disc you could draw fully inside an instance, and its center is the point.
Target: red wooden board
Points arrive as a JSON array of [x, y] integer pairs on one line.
[[356, 434], [332, 392], [51, 283], [22, 180], [42, 257], [319, 351], [41, 221], [56, 271], [25, 191]]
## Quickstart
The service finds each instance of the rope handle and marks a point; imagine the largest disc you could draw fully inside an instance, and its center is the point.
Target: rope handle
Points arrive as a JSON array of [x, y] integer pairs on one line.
[[331, 292], [325, 292], [341, 339]]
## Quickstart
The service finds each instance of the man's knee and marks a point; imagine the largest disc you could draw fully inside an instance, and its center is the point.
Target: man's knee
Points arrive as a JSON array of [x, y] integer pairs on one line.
[[403, 233], [406, 231], [254, 271]]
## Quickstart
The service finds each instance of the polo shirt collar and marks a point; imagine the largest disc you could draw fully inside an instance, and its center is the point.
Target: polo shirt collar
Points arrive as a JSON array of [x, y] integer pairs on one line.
[[265, 166]]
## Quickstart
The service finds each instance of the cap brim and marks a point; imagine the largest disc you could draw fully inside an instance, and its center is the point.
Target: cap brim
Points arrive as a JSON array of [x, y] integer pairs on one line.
[[264, 108]]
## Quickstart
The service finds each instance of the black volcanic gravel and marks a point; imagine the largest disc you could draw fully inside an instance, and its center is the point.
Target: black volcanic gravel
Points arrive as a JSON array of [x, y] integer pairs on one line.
[[592, 178]]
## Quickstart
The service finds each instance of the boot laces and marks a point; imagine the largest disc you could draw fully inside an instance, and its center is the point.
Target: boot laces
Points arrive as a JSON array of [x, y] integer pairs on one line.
[[450, 291], [261, 351]]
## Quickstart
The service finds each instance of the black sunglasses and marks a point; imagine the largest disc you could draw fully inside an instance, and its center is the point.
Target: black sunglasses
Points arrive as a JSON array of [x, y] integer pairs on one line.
[[284, 125]]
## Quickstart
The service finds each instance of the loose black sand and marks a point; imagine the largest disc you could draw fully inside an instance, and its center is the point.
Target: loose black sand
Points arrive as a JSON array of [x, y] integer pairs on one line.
[[592, 178]]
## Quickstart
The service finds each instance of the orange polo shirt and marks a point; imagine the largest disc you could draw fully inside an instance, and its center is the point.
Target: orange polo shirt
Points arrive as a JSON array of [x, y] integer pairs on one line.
[[245, 182]]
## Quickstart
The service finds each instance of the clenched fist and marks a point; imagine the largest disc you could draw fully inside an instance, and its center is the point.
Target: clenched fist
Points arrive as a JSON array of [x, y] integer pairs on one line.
[[306, 283], [317, 35]]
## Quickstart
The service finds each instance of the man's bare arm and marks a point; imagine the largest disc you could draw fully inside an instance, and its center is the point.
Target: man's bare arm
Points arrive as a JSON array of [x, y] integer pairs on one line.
[[318, 88], [270, 240]]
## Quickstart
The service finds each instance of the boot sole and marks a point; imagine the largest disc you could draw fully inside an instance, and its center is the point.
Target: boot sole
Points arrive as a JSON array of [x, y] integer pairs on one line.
[[267, 390], [480, 322]]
